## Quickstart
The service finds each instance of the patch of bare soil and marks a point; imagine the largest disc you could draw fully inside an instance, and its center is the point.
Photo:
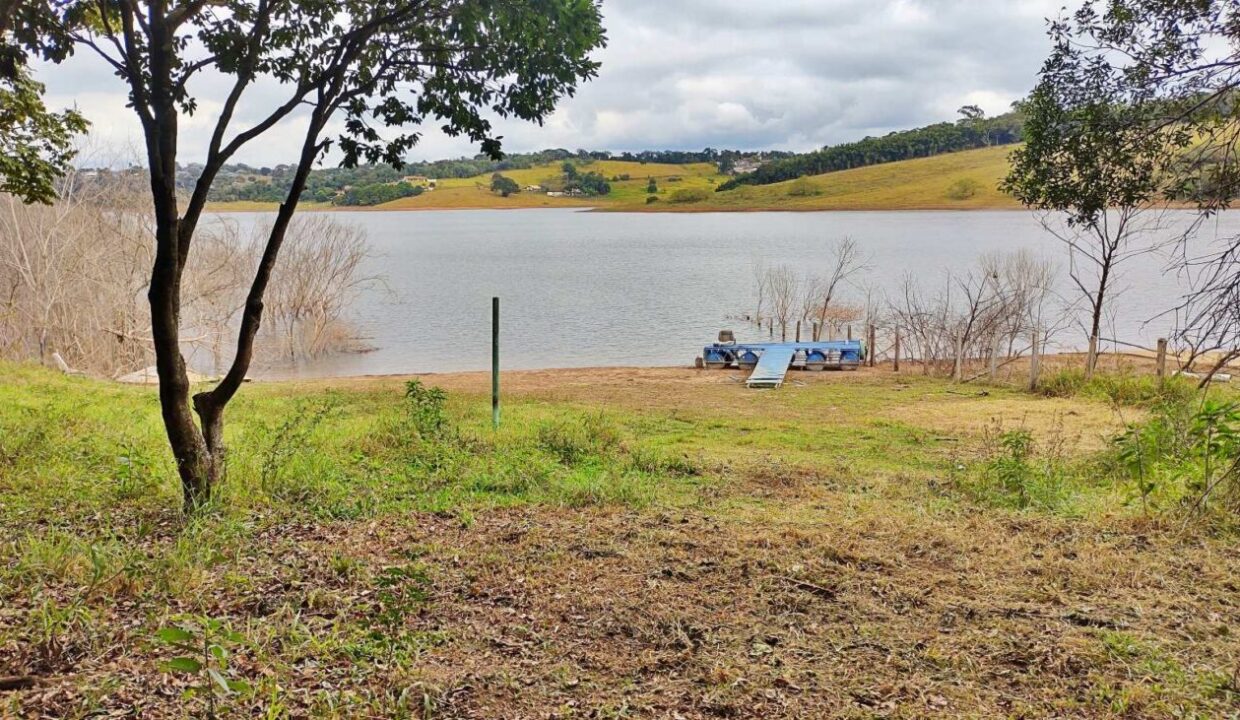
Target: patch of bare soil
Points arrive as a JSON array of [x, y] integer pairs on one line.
[[611, 613]]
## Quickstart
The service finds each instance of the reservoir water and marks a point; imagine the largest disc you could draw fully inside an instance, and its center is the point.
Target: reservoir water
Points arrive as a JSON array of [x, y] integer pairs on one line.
[[596, 288]]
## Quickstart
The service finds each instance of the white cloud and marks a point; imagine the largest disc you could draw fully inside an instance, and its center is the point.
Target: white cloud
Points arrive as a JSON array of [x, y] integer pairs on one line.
[[793, 74]]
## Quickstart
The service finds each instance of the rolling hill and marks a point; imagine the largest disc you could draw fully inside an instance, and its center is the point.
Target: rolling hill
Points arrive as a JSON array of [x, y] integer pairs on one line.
[[965, 180]]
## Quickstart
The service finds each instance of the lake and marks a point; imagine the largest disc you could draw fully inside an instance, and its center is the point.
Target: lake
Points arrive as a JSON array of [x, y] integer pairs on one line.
[[594, 289]]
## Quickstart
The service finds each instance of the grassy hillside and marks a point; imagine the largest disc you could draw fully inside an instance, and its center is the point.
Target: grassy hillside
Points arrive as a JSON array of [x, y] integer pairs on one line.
[[631, 543], [966, 180], [923, 184]]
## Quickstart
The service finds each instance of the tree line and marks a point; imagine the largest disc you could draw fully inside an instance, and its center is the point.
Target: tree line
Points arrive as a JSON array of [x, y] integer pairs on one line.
[[973, 130]]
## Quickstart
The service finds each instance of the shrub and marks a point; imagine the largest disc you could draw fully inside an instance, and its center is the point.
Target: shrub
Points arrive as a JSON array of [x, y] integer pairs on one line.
[[652, 199], [1118, 388], [803, 187], [575, 441], [689, 195], [426, 408], [963, 189]]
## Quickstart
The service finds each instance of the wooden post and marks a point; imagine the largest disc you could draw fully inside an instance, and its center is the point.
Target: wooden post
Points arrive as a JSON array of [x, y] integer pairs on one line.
[[1161, 361], [1034, 361], [798, 331], [870, 348], [895, 358], [994, 359], [850, 333], [495, 363], [1091, 360], [957, 371]]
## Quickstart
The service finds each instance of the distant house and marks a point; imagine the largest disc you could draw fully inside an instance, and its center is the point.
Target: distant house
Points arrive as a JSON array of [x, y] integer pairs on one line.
[[533, 188], [555, 193], [415, 179], [746, 165]]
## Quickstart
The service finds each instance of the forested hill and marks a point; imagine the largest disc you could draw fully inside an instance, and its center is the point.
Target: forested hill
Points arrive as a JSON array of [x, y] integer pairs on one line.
[[972, 131], [377, 184]]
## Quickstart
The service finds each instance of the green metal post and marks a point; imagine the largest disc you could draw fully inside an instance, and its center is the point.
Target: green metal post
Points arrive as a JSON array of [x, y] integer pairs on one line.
[[495, 362]]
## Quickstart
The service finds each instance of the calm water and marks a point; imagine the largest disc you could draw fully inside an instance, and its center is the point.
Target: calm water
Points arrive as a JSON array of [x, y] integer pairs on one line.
[[585, 289]]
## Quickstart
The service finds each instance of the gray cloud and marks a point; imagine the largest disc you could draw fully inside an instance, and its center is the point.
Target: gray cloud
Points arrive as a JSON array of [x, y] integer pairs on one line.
[[788, 74]]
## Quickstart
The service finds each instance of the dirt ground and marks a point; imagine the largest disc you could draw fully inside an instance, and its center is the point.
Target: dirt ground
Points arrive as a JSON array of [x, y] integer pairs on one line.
[[785, 592]]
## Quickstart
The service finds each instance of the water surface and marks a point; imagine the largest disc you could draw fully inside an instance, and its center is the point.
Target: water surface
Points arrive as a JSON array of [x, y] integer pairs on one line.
[[589, 288]]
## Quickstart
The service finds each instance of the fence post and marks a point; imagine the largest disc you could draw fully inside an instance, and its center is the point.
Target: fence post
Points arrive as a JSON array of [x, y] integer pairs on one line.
[[1034, 361], [994, 359], [870, 349], [1091, 360], [895, 358], [495, 363], [1161, 361], [957, 371]]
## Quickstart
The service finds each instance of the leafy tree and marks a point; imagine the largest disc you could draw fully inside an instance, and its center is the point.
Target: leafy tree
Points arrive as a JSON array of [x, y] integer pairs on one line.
[[36, 146], [590, 183], [504, 185], [1095, 156], [1169, 72], [569, 170], [652, 187], [360, 64]]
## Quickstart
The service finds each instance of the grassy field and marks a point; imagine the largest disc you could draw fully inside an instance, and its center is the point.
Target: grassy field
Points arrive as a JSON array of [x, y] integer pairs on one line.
[[631, 543], [924, 184]]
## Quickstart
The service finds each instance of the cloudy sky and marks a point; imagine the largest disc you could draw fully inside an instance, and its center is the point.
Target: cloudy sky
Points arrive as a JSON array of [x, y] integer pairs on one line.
[[687, 74]]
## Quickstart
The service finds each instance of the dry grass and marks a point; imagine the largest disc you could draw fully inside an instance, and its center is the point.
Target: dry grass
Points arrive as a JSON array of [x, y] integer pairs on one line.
[[816, 559]]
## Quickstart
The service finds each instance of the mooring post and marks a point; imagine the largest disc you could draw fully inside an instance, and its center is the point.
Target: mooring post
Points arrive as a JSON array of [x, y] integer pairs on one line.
[[895, 356], [1161, 361], [495, 363]]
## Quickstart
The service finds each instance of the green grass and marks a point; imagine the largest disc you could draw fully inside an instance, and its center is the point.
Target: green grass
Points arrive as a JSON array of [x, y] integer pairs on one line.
[[384, 546]]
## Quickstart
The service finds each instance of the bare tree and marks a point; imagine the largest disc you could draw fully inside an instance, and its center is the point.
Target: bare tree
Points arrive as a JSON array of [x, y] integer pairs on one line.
[[847, 261], [783, 285], [1097, 250]]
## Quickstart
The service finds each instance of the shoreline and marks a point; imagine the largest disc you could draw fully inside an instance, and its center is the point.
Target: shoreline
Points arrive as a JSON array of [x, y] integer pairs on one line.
[[246, 207]]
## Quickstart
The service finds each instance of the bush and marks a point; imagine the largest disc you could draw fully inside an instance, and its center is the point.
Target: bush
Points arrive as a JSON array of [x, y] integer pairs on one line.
[[1118, 388], [689, 195], [426, 408], [803, 187], [963, 189], [1184, 453], [575, 441], [652, 199]]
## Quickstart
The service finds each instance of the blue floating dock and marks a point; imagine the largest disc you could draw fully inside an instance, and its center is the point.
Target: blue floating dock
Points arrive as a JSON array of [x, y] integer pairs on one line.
[[772, 367], [771, 361]]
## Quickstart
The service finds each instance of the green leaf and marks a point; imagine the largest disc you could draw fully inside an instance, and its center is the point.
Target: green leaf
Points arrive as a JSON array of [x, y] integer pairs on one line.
[[174, 635], [220, 681], [239, 686], [183, 664]]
